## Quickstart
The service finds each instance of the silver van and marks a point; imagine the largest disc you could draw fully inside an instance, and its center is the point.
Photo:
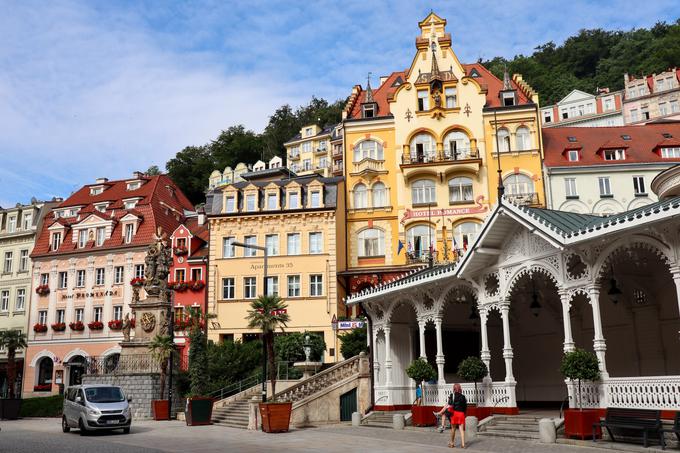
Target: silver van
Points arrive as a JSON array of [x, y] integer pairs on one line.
[[95, 407]]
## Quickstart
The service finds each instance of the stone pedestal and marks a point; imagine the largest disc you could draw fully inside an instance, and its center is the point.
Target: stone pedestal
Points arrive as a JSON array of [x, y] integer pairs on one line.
[[470, 428], [398, 421], [547, 433], [308, 368]]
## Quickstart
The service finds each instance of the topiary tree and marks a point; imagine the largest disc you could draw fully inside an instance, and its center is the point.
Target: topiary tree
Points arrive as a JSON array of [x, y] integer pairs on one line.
[[198, 357], [580, 365], [472, 369], [420, 370], [353, 342]]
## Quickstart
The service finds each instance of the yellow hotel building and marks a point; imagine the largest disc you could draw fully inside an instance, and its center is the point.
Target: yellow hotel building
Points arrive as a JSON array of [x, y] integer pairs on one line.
[[421, 158], [301, 222]]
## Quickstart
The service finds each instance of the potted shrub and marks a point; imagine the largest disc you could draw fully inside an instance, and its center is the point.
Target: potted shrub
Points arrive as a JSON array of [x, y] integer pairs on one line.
[[580, 365], [198, 407], [473, 369], [421, 371], [161, 347], [267, 313], [12, 341], [39, 328]]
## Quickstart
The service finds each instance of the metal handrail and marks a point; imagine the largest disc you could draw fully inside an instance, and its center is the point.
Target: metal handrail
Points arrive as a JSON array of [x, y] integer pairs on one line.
[[237, 387], [505, 398]]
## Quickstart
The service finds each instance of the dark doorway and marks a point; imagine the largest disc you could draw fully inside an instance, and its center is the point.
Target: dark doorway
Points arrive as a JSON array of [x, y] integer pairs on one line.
[[348, 405], [76, 370]]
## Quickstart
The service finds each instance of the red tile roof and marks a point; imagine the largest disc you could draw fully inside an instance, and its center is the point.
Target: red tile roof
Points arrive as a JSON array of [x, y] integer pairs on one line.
[[380, 96], [494, 85], [643, 145], [161, 203]]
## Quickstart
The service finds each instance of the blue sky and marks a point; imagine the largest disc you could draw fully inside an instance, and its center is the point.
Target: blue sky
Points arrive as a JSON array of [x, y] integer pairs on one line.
[[104, 88]]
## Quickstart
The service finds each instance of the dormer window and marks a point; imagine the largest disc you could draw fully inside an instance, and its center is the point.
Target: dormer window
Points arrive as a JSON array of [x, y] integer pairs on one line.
[[82, 238], [573, 155], [134, 185], [315, 199], [671, 152], [130, 204], [308, 132], [55, 242], [271, 202], [129, 232], [626, 137], [101, 207], [614, 154], [12, 224], [508, 98], [423, 100], [96, 190], [101, 236], [571, 139], [368, 110], [251, 202], [293, 200], [230, 204]]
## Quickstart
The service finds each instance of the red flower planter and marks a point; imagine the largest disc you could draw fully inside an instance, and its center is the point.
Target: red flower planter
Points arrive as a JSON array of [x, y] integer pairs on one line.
[[42, 290], [59, 327], [579, 423], [42, 388], [95, 325], [78, 326], [137, 281], [423, 415], [115, 324], [40, 328]]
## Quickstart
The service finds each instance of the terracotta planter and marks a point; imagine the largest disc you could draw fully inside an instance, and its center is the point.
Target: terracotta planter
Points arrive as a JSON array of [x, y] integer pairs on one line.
[[198, 411], [275, 417], [10, 408], [423, 415], [579, 423], [160, 409]]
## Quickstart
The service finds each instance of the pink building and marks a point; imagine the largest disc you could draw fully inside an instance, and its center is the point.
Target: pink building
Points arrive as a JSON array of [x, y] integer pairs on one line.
[[88, 252], [652, 97]]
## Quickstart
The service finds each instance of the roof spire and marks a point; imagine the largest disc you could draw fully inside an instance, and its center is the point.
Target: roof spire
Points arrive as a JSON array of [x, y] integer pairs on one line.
[[369, 90], [506, 79], [434, 73]]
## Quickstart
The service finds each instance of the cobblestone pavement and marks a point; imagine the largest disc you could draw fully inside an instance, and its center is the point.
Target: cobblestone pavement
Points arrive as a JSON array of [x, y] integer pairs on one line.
[[44, 435]]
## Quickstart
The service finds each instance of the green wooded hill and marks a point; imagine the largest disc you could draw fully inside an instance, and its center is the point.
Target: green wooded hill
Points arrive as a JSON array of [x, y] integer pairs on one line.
[[591, 59]]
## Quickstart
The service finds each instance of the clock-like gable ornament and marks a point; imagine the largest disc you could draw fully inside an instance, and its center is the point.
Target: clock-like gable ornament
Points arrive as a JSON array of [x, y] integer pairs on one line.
[[148, 322]]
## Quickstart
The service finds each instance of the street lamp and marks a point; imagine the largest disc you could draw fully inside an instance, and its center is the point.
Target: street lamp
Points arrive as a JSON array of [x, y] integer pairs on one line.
[[264, 286]]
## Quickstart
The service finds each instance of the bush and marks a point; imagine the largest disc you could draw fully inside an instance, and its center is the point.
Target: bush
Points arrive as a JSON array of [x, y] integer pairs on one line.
[[48, 406], [289, 347], [580, 365], [232, 361], [353, 342], [420, 370]]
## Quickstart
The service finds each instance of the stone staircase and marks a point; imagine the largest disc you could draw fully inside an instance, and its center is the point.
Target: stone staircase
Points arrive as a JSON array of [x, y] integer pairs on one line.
[[235, 415], [381, 419], [511, 427]]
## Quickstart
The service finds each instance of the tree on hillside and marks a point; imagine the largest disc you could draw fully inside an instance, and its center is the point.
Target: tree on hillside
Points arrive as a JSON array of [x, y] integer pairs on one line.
[[190, 169]]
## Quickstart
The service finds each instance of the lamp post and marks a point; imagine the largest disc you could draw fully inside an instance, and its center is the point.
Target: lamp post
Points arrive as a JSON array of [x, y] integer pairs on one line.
[[264, 286]]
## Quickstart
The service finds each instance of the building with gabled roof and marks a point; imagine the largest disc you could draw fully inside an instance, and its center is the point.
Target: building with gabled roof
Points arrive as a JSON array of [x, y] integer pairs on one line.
[[652, 97], [581, 109]]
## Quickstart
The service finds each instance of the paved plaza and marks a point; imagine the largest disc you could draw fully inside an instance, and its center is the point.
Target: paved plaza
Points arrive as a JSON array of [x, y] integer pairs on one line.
[[44, 435]]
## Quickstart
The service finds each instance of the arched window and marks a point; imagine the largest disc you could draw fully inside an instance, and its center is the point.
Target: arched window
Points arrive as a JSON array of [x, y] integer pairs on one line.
[[360, 198], [421, 239], [456, 145], [504, 140], [460, 189], [422, 191], [518, 184], [371, 242], [523, 138], [368, 149], [45, 371], [379, 195], [463, 235], [422, 148]]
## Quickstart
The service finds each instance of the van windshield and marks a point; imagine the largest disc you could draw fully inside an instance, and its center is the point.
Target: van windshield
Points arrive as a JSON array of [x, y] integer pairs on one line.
[[104, 395]]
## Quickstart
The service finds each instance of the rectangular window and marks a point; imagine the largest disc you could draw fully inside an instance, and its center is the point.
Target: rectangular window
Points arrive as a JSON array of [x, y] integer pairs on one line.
[[293, 286], [547, 117], [306, 147], [670, 153], [4, 300], [80, 278], [423, 100], [79, 314], [316, 285], [293, 247], [42, 317], [639, 185], [118, 312], [82, 238], [675, 107], [101, 236], [570, 187], [663, 108], [44, 279], [508, 99], [315, 243], [118, 275], [139, 271], [315, 199], [605, 186], [20, 304], [369, 110], [129, 231], [451, 98], [7, 267], [228, 248], [250, 202], [573, 155], [634, 116], [231, 204], [179, 275], [196, 274], [293, 200], [249, 251], [249, 287], [614, 154], [272, 286], [27, 221], [99, 276], [63, 280], [97, 314], [271, 242], [228, 288], [307, 164], [56, 241], [607, 104], [61, 316], [12, 224], [23, 261], [271, 201]]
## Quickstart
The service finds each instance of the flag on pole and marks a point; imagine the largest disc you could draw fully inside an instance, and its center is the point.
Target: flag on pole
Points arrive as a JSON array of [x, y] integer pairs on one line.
[[400, 247]]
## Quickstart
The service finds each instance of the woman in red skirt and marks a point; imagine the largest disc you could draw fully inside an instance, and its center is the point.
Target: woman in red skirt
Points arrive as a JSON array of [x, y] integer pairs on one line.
[[458, 409]]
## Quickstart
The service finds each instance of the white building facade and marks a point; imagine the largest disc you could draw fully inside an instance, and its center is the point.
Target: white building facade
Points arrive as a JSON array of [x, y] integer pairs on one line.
[[581, 109]]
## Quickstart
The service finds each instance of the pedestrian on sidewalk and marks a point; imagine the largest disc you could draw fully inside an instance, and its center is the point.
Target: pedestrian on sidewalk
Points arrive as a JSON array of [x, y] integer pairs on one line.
[[458, 409]]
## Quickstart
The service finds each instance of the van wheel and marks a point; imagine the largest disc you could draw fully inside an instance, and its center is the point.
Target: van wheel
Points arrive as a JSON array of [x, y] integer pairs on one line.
[[81, 427], [126, 430], [64, 425]]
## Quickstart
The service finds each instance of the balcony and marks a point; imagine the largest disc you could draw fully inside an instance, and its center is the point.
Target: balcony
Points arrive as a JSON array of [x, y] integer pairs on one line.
[[322, 150], [337, 151], [467, 159], [523, 199], [294, 156], [368, 167], [338, 168]]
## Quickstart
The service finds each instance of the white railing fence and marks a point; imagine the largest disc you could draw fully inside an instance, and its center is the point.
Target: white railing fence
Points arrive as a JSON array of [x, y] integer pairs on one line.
[[498, 393], [647, 392]]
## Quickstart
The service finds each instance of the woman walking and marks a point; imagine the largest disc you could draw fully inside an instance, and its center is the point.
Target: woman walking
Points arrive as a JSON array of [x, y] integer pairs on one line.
[[458, 409]]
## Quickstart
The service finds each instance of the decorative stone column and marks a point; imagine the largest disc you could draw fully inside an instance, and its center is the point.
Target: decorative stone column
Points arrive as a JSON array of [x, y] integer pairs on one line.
[[376, 363], [599, 344], [675, 272], [507, 347], [421, 338], [440, 351], [485, 355], [388, 356], [566, 319]]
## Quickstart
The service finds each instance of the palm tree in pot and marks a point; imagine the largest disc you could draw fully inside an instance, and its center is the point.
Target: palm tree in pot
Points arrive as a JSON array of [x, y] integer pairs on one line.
[[268, 313], [12, 341], [161, 348]]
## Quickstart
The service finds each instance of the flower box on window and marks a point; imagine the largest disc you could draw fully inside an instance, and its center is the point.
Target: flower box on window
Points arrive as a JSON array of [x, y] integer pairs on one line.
[[42, 290], [180, 287], [59, 326], [40, 328], [42, 388], [116, 324], [181, 250], [78, 326], [95, 325], [197, 285], [137, 281]]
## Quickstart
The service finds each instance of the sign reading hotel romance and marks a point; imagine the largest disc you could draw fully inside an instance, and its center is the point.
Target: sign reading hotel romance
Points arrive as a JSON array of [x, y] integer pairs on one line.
[[425, 213], [348, 325], [85, 295]]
